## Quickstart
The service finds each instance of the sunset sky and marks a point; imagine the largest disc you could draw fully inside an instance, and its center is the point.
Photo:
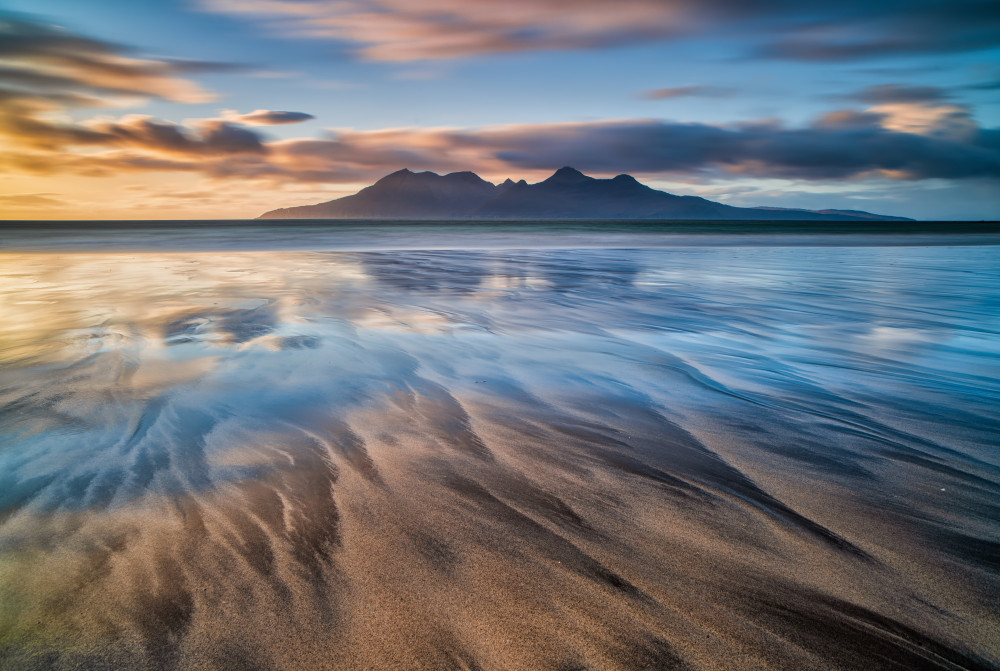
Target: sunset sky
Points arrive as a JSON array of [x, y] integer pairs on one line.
[[227, 108]]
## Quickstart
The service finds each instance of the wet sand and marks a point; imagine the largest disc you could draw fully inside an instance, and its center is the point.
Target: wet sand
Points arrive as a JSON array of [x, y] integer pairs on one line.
[[690, 458]]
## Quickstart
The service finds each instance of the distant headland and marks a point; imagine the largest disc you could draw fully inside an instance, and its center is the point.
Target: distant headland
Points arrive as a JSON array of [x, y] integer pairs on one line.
[[567, 194]]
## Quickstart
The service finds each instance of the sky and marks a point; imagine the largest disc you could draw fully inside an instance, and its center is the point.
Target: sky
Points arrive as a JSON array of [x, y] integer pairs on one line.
[[223, 109]]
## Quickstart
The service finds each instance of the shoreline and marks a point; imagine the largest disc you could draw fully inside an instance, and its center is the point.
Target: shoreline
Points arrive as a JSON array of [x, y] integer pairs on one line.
[[192, 236], [706, 226]]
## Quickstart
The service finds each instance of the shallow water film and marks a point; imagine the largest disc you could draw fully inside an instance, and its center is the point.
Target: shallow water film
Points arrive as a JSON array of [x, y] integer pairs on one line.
[[702, 457]]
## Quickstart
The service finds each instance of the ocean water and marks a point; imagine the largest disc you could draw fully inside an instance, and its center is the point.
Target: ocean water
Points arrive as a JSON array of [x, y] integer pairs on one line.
[[430, 446]]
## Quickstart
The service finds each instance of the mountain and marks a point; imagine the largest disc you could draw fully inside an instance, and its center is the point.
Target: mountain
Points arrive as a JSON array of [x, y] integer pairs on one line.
[[567, 194]]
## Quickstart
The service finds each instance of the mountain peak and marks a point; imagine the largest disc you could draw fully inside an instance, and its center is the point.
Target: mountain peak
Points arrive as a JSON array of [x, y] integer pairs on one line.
[[567, 174], [466, 176], [396, 177]]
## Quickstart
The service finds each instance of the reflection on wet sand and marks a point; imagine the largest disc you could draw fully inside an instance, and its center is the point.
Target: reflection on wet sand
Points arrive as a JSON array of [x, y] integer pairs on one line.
[[718, 458]]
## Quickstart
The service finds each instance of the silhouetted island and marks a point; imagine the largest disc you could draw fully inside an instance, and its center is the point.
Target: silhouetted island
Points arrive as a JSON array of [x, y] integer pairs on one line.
[[567, 194]]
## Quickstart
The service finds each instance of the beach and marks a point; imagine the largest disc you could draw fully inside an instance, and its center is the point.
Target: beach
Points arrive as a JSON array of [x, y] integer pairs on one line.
[[576, 452]]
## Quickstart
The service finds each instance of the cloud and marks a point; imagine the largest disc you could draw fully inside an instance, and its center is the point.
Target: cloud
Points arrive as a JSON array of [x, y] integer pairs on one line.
[[402, 30], [221, 137], [921, 110], [134, 143], [46, 62], [845, 148], [852, 31], [849, 118], [31, 200], [816, 152], [899, 93], [907, 135], [46, 71], [396, 30], [266, 117], [689, 92], [210, 137], [946, 122], [985, 86]]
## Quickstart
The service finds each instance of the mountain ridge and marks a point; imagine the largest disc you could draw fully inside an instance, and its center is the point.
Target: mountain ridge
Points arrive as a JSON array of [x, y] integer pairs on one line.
[[566, 194]]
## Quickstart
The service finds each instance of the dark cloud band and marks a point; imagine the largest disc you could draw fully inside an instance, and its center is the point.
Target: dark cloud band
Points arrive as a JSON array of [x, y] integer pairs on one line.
[[841, 146]]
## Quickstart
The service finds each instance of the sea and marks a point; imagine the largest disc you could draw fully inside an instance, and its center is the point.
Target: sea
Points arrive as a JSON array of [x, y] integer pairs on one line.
[[481, 445]]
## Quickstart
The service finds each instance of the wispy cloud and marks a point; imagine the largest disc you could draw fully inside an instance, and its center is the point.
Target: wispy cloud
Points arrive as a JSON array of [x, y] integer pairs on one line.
[[47, 72], [32, 201], [21, 128], [899, 93], [44, 62], [985, 86], [402, 30], [266, 117], [212, 137], [689, 92]]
